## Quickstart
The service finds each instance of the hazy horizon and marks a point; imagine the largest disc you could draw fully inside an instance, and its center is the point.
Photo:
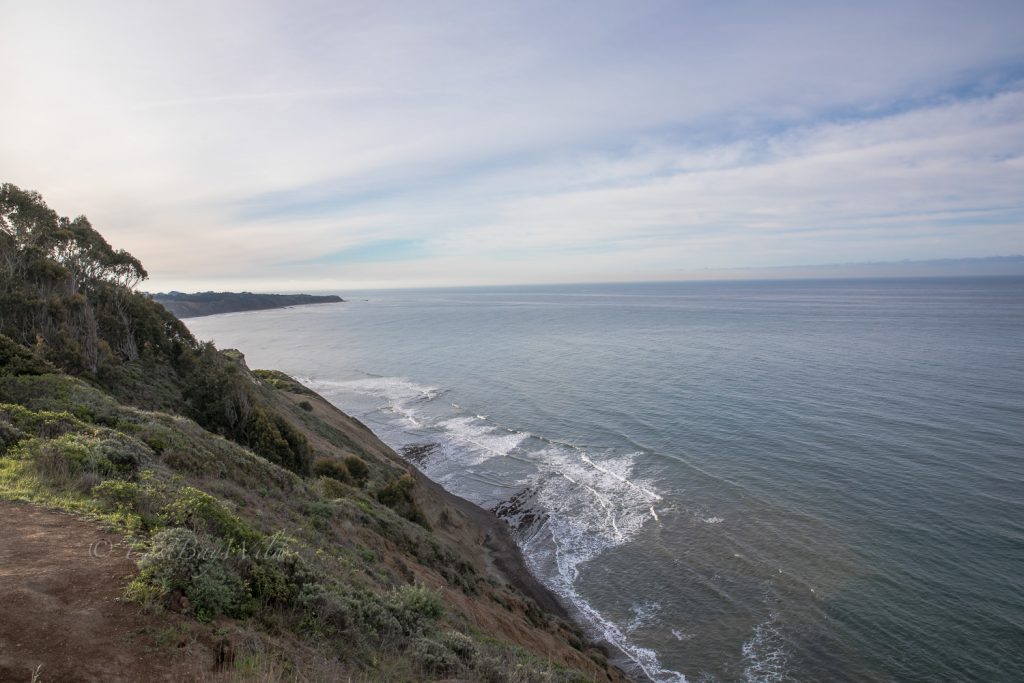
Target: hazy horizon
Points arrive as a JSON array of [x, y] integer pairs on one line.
[[989, 266], [323, 146]]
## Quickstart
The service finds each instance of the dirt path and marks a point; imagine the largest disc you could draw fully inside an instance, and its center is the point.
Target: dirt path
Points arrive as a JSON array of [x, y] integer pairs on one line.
[[60, 580]]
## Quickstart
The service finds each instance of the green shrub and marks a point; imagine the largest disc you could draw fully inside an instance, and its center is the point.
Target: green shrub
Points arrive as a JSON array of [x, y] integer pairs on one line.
[[363, 617], [217, 590], [433, 658], [413, 606], [270, 435], [331, 488], [9, 435], [270, 585], [306, 405], [144, 500], [172, 559], [54, 464], [115, 494], [181, 562], [157, 441], [16, 359], [278, 577], [332, 469], [65, 459], [123, 452], [41, 423], [202, 513], [462, 645], [358, 469], [397, 495]]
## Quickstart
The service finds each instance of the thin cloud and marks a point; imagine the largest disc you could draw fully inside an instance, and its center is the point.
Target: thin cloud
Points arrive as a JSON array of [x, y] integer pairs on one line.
[[529, 142]]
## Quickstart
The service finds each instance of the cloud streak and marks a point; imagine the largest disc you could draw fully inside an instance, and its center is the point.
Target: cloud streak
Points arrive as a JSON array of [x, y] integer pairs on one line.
[[273, 146]]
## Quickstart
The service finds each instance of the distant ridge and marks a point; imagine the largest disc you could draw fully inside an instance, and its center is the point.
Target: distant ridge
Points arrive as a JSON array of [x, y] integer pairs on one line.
[[209, 303]]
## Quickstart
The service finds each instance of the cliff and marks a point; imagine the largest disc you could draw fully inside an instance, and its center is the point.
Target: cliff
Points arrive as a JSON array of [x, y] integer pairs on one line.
[[210, 303]]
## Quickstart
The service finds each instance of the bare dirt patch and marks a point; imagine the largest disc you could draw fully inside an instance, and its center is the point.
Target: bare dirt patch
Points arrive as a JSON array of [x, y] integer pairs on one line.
[[61, 580]]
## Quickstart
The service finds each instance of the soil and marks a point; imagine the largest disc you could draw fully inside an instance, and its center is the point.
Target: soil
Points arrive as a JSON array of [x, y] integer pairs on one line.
[[61, 614]]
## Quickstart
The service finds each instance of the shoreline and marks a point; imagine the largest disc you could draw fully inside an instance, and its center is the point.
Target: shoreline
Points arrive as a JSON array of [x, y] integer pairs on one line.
[[502, 554], [474, 531]]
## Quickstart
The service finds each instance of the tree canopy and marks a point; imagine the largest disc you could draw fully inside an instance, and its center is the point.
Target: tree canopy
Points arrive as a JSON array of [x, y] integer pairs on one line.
[[68, 303]]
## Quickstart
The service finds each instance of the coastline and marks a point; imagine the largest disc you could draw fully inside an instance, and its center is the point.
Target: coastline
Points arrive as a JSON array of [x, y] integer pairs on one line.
[[203, 304], [477, 533]]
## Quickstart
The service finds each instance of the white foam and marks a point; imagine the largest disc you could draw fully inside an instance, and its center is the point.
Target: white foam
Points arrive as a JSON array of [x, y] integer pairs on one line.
[[712, 520], [400, 396], [765, 655], [480, 442], [391, 388], [643, 615], [647, 492], [581, 530]]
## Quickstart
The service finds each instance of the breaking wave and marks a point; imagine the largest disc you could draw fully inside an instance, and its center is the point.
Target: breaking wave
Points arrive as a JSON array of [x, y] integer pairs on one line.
[[570, 505]]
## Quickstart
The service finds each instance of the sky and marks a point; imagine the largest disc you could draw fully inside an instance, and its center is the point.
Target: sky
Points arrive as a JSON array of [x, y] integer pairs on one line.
[[285, 146]]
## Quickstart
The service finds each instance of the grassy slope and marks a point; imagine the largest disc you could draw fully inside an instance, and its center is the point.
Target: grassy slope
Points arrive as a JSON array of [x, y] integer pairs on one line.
[[343, 580]]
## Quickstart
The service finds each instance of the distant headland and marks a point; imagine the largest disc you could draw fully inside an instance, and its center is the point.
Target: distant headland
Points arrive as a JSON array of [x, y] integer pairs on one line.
[[209, 303]]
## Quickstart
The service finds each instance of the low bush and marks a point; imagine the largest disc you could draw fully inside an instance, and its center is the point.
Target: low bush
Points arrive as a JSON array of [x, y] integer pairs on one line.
[[181, 562], [9, 435], [397, 495], [202, 513], [41, 423], [123, 452], [332, 469], [278, 577], [462, 645], [217, 589], [366, 618], [361, 616], [433, 658], [16, 359], [331, 488], [139, 503], [64, 460], [116, 494], [358, 469], [413, 606]]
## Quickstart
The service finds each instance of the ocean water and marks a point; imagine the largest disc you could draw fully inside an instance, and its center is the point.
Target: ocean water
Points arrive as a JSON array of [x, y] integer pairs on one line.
[[746, 481]]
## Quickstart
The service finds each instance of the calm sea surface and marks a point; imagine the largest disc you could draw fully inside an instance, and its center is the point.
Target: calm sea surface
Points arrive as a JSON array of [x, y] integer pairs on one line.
[[756, 481]]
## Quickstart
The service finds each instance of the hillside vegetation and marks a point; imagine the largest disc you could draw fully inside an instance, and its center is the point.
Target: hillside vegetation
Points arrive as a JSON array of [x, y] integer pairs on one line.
[[209, 303], [279, 529]]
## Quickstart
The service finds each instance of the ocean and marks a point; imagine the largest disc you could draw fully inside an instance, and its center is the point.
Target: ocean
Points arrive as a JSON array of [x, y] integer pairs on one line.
[[731, 481]]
